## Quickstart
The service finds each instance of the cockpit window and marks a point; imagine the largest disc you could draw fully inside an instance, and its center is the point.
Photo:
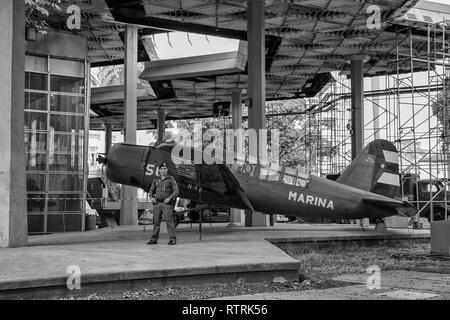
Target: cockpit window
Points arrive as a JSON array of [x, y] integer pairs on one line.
[[289, 175], [269, 173], [303, 179]]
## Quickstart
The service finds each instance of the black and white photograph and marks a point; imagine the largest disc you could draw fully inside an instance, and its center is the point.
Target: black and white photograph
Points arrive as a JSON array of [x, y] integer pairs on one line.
[[225, 159]]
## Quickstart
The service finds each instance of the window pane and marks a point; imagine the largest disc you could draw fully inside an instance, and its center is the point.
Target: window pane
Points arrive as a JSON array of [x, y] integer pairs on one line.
[[289, 175], [67, 143], [35, 202], [35, 121], [36, 81], [36, 182], [61, 103], [67, 84], [36, 161], [35, 101], [36, 223], [73, 222], [67, 67], [65, 203], [35, 189], [273, 175], [36, 63], [35, 142], [65, 182], [66, 162], [66, 123], [64, 222], [55, 223]]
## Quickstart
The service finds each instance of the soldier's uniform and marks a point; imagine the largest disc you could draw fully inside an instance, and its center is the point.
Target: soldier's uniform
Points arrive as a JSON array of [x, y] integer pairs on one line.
[[162, 189]]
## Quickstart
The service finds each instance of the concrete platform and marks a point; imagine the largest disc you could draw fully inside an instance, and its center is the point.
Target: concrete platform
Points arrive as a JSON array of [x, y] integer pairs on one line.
[[120, 258]]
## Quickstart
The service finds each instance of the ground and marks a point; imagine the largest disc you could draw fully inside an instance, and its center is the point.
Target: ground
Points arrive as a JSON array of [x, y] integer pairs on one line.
[[319, 264]]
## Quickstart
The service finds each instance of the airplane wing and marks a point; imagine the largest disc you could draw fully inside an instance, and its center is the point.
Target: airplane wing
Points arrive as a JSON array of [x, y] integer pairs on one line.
[[219, 178], [215, 177], [401, 207]]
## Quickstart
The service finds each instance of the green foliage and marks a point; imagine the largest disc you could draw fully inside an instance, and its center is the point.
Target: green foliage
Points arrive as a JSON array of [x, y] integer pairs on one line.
[[37, 12]]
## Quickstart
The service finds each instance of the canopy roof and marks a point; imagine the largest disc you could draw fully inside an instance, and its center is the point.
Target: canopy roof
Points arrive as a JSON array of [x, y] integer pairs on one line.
[[305, 40]]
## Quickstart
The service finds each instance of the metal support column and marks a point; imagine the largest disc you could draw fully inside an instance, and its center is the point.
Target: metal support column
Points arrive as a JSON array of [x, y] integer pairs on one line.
[[357, 87], [236, 109], [161, 126], [128, 212], [256, 85], [108, 138], [375, 84]]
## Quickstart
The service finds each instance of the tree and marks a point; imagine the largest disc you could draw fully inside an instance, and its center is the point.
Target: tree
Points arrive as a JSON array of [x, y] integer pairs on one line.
[[37, 13], [441, 109], [300, 134]]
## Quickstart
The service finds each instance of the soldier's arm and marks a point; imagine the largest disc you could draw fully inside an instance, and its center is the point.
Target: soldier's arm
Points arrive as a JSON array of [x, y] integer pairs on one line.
[[152, 189]]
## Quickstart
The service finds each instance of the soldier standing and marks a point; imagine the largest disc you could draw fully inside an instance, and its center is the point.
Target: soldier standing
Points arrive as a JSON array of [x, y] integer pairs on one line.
[[163, 192]]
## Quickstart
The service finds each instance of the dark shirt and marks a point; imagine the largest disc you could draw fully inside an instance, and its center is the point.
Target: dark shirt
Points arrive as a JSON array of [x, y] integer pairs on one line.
[[164, 188]]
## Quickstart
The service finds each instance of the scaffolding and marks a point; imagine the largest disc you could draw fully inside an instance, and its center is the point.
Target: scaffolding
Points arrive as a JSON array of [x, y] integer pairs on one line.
[[410, 107]]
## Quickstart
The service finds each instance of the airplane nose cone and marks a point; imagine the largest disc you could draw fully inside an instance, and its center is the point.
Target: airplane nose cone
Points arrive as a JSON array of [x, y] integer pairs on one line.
[[126, 164]]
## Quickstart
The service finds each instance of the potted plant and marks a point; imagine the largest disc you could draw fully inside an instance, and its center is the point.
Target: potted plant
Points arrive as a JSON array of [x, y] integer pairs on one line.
[[36, 14], [91, 219]]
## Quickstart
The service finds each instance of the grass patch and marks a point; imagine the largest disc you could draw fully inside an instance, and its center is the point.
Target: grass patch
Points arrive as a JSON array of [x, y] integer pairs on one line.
[[321, 262]]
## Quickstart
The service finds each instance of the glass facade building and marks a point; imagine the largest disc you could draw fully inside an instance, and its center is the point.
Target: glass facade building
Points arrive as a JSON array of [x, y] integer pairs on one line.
[[56, 136]]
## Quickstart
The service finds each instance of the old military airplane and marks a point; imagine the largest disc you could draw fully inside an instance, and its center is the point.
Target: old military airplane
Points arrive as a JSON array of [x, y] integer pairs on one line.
[[367, 188]]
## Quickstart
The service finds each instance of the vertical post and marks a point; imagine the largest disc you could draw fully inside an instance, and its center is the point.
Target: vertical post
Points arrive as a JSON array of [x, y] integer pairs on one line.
[[256, 64], [236, 109], [161, 126], [13, 206], [357, 87], [256, 86], [128, 212], [375, 84], [108, 138]]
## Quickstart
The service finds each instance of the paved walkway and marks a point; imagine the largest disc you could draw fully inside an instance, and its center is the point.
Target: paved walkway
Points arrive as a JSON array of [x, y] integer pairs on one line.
[[121, 253]]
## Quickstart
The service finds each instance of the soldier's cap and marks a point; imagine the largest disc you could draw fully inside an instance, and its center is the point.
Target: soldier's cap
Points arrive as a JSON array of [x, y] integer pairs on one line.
[[162, 165]]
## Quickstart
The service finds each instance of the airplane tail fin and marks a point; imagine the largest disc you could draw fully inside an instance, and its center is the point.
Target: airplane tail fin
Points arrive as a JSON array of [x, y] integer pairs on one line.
[[375, 169]]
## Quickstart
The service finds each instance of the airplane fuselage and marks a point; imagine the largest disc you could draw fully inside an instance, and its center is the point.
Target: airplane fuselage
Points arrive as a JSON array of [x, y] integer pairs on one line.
[[283, 191], [321, 198]]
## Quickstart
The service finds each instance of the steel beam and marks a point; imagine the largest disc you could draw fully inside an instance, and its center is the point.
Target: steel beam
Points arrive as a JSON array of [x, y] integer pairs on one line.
[[357, 92]]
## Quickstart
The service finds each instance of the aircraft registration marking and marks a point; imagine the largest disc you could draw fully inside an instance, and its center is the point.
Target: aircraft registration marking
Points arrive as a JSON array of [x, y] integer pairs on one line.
[[311, 200], [194, 187], [150, 170]]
